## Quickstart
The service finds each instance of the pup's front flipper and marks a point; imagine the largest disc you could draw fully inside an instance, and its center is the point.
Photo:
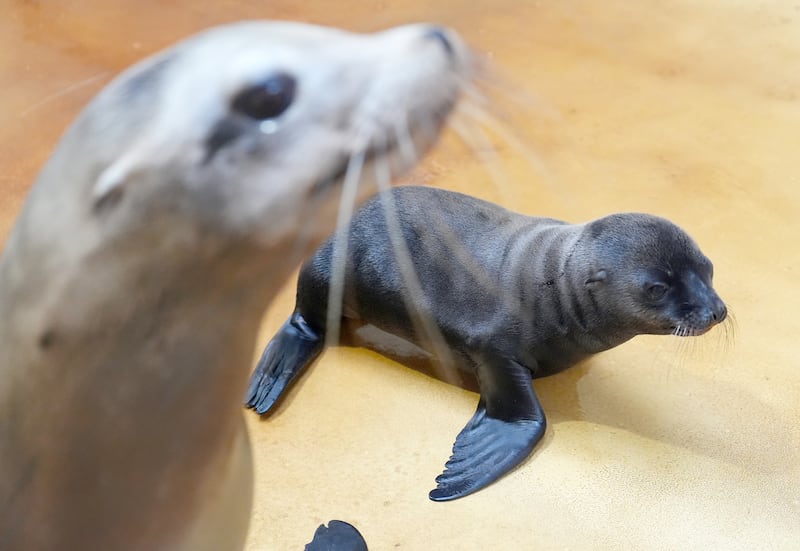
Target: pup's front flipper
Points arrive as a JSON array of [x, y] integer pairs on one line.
[[504, 430], [294, 347]]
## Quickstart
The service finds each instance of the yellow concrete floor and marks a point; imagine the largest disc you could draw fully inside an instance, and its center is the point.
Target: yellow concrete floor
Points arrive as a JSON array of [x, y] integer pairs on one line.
[[685, 108]]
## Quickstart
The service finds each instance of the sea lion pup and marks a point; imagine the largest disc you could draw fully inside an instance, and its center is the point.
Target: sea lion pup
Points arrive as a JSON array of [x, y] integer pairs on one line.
[[533, 297], [133, 283]]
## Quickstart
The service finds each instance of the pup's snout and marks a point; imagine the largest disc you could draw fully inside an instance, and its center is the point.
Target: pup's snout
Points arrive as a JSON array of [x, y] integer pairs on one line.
[[718, 310]]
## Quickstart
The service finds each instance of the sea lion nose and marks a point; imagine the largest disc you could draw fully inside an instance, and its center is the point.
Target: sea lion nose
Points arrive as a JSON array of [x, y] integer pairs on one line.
[[440, 34], [718, 310]]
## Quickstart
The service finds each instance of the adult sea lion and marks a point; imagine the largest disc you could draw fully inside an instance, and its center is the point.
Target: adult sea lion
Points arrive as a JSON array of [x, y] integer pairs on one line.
[[531, 297], [132, 285]]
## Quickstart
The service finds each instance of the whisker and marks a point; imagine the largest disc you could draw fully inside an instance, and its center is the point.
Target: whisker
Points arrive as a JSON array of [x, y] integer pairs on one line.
[[467, 260], [347, 202], [491, 78], [727, 335], [674, 354], [63, 92], [486, 120], [414, 300], [489, 158], [310, 229], [703, 352], [731, 325], [405, 143]]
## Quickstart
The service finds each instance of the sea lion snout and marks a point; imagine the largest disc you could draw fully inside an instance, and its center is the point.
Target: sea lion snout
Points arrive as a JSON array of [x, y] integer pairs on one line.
[[712, 312], [442, 36], [447, 39], [718, 310], [702, 310]]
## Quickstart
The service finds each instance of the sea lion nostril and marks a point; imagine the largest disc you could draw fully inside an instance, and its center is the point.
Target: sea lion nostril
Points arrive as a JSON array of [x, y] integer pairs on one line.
[[717, 311], [720, 311], [438, 33]]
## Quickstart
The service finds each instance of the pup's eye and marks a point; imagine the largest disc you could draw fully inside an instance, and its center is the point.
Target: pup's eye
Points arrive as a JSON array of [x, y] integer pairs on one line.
[[656, 291], [267, 99]]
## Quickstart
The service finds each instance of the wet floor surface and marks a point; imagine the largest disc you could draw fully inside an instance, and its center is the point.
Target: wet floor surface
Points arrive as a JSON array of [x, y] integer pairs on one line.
[[689, 110]]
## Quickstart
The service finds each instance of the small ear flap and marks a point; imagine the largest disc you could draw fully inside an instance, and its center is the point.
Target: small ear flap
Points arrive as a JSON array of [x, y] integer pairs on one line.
[[598, 277]]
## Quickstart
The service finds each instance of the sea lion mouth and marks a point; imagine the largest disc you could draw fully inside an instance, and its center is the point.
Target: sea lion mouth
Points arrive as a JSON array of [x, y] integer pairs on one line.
[[385, 146], [339, 172], [689, 330], [699, 322], [382, 149]]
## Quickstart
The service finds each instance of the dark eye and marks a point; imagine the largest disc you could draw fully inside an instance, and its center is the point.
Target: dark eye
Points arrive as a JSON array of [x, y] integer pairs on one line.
[[656, 291], [267, 99]]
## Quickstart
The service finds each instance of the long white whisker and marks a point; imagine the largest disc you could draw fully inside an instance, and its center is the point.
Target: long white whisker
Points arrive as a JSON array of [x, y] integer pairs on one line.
[[63, 92], [728, 334], [415, 298], [405, 142], [310, 229], [480, 144], [492, 124], [347, 202], [467, 261], [490, 77]]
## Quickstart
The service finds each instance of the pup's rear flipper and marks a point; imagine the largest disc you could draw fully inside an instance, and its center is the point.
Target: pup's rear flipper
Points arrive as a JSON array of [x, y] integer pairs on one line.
[[337, 536], [506, 427], [294, 347]]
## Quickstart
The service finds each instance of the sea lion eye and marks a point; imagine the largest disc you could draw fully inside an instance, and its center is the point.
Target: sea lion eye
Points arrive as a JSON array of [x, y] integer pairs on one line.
[[267, 99], [656, 291]]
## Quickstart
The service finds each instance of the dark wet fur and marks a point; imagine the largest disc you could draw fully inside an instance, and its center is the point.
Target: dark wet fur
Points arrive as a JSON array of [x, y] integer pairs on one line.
[[537, 296]]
